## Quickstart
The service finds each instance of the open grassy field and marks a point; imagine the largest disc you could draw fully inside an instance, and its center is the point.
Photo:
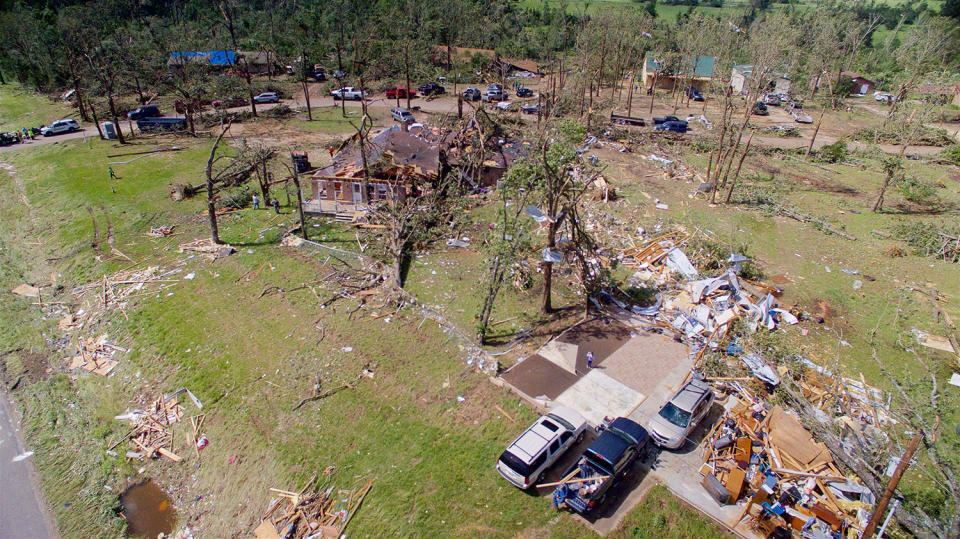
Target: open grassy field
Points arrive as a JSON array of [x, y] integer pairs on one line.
[[20, 108], [425, 425]]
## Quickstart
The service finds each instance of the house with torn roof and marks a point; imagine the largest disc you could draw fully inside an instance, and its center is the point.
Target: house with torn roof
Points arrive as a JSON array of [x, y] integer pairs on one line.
[[486, 172], [397, 162], [740, 80]]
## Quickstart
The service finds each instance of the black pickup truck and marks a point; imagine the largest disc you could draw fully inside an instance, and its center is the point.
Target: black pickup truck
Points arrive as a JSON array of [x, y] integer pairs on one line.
[[658, 120], [602, 465]]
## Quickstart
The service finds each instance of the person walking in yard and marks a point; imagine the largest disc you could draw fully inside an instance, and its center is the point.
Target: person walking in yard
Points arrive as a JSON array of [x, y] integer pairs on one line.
[[256, 202], [113, 175], [589, 360], [330, 149], [276, 206]]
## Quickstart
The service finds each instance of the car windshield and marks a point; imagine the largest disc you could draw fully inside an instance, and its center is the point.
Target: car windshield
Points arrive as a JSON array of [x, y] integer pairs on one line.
[[515, 463], [675, 415]]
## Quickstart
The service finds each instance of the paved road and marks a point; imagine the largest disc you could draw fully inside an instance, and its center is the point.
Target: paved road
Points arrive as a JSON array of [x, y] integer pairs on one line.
[[22, 513], [41, 140]]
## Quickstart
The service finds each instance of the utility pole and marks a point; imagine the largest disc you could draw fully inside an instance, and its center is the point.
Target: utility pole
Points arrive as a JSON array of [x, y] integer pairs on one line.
[[296, 183], [891, 486]]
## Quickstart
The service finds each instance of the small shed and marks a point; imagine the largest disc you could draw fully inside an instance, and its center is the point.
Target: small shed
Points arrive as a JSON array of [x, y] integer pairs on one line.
[[666, 77], [862, 85]]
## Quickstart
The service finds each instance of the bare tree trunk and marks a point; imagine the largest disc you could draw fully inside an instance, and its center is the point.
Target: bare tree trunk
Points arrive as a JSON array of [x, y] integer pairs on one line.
[[545, 306], [96, 121], [630, 95], [653, 90], [815, 131], [227, 13], [878, 204], [736, 174], [306, 87], [80, 103], [211, 201], [406, 64], [116, 121], [296, 183]]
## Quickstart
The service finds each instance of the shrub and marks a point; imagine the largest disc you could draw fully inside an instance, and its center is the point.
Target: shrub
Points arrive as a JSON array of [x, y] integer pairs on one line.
[[834, 153], [917, 191]]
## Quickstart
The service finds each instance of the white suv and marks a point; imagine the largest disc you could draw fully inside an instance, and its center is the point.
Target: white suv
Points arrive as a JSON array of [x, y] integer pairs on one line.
[[60, 126], [525, 460]]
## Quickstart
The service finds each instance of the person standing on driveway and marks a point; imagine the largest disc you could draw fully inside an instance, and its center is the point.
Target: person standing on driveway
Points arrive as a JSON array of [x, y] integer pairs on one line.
[[589, 360]]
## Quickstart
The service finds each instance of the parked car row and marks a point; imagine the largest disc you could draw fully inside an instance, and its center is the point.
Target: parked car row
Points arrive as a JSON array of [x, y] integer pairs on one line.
[[610, 457]]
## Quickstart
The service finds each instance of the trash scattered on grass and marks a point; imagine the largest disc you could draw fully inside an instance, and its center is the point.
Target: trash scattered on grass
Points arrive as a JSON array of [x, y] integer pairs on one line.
[[23, 456]]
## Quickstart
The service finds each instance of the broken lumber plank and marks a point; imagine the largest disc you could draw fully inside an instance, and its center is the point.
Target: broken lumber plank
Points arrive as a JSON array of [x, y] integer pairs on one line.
[[572, 481], [825, 477], [169, 454], [505, 414]]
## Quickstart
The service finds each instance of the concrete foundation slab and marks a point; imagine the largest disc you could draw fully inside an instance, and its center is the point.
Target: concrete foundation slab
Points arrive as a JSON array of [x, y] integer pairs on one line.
[[536, 376], [596, 395]]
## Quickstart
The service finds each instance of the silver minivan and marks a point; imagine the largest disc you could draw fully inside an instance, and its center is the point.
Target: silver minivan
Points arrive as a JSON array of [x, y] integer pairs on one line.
[[525, 460], [681, 414], [402, 115]]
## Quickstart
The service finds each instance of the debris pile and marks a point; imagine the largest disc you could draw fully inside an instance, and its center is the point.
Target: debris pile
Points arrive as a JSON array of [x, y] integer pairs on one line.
[[151, 435], [859, 401], [319, 514], [206, 247], [160, 231], [698, 308], [94, 355], [764, 456]]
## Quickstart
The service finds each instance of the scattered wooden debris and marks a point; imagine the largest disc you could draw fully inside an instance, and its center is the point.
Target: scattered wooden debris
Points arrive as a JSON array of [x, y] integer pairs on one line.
[[765, 456], [26, 291], [315, 515], [113, 292], [151, 435], [207, 247], [160, 231], [95, 355]]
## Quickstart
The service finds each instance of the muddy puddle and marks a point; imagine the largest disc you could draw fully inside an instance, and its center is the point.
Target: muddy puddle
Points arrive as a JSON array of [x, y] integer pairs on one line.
[[148, 510]]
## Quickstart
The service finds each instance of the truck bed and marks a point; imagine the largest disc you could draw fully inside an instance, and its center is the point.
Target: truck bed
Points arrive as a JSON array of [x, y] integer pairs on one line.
[[580, 489]]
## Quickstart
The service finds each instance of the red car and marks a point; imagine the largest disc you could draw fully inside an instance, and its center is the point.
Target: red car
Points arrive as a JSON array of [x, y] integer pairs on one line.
[[400, 93]]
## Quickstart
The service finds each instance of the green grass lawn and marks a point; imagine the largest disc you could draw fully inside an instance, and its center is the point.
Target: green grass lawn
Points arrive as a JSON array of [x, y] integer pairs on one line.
[[330, 120], [22, 108]]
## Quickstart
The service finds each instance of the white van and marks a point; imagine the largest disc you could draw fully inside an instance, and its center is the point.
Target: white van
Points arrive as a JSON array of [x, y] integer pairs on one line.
[[525, 460]]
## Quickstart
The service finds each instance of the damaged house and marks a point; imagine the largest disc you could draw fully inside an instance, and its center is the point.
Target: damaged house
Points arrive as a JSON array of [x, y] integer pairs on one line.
[[481, 157], [397, 160]]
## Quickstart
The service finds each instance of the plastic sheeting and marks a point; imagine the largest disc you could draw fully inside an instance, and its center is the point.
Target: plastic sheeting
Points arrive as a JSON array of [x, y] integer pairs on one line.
[[678, 261], [760, 369]]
